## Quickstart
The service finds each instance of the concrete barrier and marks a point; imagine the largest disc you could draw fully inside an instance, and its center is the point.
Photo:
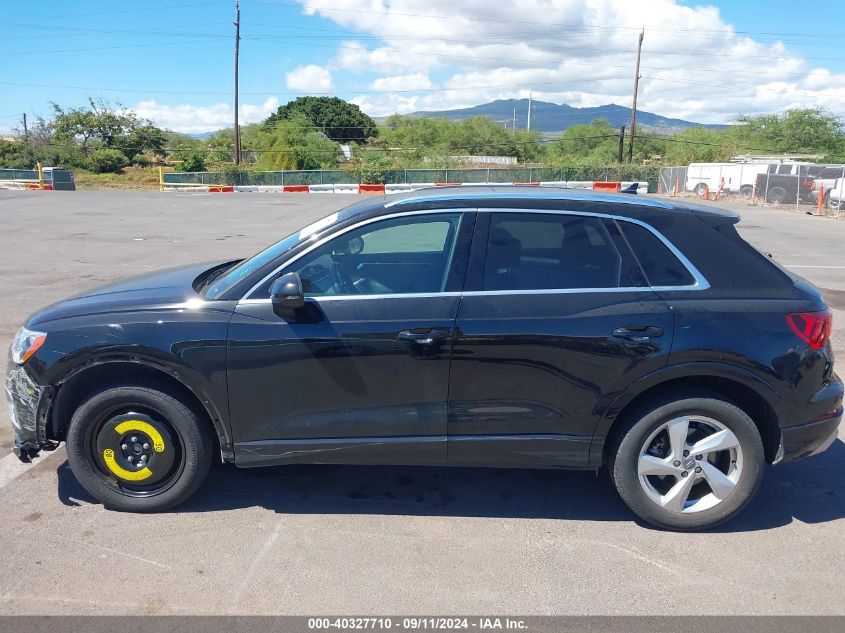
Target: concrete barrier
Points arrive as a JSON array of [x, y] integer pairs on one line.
[[321, 188], [371, 189]]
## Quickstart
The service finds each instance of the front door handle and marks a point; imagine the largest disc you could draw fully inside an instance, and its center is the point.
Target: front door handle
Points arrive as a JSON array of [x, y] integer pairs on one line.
[[422, 336], [638, 333]]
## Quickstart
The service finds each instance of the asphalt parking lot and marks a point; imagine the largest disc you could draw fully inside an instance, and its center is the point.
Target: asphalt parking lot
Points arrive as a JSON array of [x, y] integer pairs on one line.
[[359, 540]]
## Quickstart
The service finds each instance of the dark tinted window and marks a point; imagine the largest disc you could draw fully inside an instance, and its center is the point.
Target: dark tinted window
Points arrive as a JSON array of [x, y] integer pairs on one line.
[[659, 264], [533, 251]]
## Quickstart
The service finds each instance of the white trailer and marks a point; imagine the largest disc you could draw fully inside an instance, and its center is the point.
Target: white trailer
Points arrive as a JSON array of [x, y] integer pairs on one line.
[[738, 177]]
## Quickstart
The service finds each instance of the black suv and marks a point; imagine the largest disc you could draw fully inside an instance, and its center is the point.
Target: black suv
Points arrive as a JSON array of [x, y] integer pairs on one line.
[[477, 326]]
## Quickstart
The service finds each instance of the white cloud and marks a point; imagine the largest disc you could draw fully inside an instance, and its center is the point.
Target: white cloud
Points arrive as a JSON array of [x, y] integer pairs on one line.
[[415, 81], [310, 78], [694, 65], [192, 118]]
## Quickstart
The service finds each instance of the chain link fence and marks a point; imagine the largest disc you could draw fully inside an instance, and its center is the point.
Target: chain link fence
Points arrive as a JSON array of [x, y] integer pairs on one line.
[[804, 186], [406, 176]]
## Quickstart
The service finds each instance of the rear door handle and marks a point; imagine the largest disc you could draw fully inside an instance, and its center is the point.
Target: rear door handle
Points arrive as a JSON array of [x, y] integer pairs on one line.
[[421, 336], [638, 332]]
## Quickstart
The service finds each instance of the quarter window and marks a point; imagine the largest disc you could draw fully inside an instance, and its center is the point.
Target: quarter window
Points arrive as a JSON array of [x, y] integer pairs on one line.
[[551, 251], [660, 265]]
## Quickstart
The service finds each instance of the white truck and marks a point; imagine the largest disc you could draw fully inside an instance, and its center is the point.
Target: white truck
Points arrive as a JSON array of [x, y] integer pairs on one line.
[[739, 178]]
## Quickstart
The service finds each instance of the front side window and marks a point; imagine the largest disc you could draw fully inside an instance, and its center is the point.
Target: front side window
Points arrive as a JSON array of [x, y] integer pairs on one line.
[[535, 251], [409, 254]]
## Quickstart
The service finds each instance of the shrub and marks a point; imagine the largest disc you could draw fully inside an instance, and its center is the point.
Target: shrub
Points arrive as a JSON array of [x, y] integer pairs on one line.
[[108, 160]]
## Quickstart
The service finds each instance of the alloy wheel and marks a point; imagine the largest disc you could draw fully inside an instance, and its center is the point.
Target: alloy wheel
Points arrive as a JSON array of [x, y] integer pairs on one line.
[[689, 464]]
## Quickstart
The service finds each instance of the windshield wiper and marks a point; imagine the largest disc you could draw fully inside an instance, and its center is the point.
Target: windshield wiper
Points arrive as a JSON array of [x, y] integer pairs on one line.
[[217, 273]]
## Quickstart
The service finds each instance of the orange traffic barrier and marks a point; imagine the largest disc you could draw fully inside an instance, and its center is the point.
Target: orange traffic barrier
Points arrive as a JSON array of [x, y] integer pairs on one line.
[[371, 189], [820, 205], [706, 195], [529, 184], [221, 189], [607, 186], [295, 189], [447, 184]]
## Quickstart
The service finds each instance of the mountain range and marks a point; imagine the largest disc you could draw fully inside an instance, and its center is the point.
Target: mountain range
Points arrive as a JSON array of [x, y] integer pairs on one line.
[[551, 118]]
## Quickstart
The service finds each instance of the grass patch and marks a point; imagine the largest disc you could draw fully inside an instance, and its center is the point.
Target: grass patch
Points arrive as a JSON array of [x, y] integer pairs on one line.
[[142, 178]]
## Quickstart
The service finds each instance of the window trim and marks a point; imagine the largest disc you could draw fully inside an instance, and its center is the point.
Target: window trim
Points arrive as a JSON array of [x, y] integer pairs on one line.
[[700, 282], [246, 300]]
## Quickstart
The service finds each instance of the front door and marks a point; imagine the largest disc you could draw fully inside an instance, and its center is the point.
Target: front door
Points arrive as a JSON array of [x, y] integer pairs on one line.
[[556, 317], [362, 374]]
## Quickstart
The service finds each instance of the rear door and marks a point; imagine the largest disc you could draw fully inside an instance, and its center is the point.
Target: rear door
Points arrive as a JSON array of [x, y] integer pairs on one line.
[[556, 318]]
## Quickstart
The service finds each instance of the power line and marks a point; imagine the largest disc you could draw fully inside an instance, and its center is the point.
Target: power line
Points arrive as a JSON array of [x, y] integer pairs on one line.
[[277, 92]]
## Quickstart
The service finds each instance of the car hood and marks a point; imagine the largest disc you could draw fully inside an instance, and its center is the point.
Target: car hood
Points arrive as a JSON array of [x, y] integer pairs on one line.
[[161, 289]]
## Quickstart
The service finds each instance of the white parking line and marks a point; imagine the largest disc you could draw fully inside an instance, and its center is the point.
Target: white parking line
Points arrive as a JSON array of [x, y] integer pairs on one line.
[[11, 467]]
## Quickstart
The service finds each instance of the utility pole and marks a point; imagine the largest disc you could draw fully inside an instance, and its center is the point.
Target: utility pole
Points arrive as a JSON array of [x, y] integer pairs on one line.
[[237, 46], [513, 126], [621, 143], [528, 128], [634, 104], [25, 131]]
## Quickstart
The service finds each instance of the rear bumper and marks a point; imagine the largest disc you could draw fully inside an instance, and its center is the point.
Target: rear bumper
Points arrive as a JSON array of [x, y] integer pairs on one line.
[[808, 439]]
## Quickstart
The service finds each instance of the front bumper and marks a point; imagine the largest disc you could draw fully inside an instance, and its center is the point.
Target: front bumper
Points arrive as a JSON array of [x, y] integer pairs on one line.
[[28, 404]]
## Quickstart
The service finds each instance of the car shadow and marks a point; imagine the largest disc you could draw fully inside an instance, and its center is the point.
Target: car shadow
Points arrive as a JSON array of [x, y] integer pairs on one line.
[[806, 491]]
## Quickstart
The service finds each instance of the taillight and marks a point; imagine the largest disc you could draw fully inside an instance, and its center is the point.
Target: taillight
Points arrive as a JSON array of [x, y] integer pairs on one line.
[[811, 327]]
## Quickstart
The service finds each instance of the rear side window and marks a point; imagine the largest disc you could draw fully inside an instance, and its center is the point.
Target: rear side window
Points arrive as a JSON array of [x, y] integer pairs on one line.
[[535, 251], [660, 265]]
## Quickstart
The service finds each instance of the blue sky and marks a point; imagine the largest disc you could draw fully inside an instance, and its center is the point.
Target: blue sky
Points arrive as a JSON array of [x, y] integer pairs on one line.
[[172, 59]]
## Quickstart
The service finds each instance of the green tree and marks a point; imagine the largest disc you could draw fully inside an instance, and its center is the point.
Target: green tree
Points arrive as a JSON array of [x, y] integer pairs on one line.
[[339, 120], [16, 155], [191, 157], [108, 160], [293, 143], [145, 138], [700, 145], [590, 143], [796, 131], [102, 125], [435, 138]]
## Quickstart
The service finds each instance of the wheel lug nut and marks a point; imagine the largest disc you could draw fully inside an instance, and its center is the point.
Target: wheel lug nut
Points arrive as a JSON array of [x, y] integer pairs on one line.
[[684, 474], [133, 439], [698, 469], [686, 453], [131, 459], [676, 463], [699, 457], [123, 447], [146, 446]]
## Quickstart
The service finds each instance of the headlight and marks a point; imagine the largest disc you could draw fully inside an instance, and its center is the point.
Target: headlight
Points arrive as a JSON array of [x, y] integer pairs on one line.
[[26, 343]]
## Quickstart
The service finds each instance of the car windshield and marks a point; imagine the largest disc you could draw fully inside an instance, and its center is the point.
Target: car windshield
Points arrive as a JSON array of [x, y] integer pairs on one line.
[[245, 268]]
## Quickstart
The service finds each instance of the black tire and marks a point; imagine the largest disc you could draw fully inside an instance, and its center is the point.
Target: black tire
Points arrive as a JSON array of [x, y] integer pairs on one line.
[[628, 444], [185, 453], [699, 189], [776, 195], [746, 191]]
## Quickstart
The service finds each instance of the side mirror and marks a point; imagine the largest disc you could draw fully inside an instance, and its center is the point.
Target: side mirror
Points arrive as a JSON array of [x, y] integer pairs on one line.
[[286, 293]]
